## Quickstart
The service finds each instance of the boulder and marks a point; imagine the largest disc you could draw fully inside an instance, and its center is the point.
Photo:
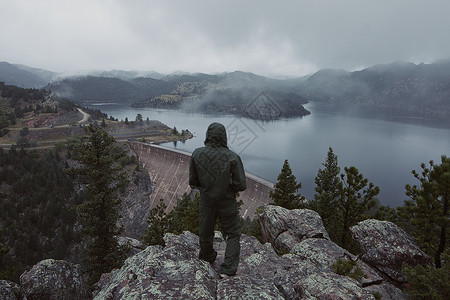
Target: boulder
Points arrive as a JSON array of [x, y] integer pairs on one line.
[[10, 291], [385, 246], [284, 228], [161, 273], [331, 286], [54, 279]]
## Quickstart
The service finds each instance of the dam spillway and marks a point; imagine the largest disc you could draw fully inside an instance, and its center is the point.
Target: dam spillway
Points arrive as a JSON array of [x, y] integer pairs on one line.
[[169, 172]]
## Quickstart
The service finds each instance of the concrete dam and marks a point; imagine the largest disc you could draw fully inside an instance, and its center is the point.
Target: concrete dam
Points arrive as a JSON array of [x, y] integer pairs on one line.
[[169, 172]]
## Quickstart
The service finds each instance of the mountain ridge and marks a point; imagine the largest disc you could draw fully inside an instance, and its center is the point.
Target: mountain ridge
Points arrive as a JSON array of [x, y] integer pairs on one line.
[[401, 88]]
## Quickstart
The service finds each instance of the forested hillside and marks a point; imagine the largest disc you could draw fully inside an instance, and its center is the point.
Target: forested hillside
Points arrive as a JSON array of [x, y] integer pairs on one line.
[[16, 102], [36, 214]]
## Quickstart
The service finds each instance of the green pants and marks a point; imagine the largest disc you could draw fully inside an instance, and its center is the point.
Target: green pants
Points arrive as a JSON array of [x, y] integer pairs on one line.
[[228, 214]]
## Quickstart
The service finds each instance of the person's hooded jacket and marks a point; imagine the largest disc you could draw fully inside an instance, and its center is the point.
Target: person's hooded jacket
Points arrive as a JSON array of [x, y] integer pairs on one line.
[[216, 170]]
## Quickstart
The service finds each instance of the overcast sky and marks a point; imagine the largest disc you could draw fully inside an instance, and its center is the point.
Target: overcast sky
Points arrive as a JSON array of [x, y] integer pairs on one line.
[[292, 38]]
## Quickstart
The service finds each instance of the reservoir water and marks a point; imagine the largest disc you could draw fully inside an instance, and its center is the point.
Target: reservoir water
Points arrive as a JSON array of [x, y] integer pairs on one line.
[[384, 150]]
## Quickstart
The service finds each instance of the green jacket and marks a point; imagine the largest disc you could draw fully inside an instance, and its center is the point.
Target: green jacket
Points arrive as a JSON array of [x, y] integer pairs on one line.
[[216, 170]]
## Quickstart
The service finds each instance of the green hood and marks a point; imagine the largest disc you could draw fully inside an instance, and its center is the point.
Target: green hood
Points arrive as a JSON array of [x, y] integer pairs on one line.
[[216, 136], [216, 170]]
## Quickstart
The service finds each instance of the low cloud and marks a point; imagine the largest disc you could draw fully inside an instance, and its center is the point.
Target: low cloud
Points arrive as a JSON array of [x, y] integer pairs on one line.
[[292, 38]]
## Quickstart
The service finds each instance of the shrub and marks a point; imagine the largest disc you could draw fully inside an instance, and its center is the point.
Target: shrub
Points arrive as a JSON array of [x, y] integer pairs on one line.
[[428, 282], [348, 268]]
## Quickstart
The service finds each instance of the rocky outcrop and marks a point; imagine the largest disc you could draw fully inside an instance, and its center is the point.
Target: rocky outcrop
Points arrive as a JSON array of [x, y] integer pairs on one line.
[[10, 291], [385, 246], [323, 254], [306, 272], [54, 279], [284, 228], [174, 271], [330, 286], [159, 273]]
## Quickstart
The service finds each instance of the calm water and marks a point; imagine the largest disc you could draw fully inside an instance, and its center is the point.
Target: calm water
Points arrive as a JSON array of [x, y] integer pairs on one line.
[[384, 150]]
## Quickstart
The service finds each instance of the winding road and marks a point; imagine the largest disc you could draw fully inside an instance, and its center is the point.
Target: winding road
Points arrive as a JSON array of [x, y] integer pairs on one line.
[[86, 116]]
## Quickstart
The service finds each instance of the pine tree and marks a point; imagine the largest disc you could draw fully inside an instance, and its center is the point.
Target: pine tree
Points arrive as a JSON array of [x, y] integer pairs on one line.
[[328, 185], [191, 218], [285, 190], [98, 214], [354, 203], [428, 282], [176, 224], [428, 209], [158, 225]]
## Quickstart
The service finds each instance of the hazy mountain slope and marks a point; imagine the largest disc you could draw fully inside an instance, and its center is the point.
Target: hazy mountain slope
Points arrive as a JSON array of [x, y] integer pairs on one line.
[[400, 87], [45, 75], [22, 76]]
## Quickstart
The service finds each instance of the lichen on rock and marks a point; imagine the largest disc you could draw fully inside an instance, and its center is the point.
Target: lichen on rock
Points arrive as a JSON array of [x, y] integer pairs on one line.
[[54, 279], [283, 228], [385, 246]]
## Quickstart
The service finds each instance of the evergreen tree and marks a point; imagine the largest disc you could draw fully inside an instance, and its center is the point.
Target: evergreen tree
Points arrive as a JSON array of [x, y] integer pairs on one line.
[[183, 217], [428, 209], [98, 214], [158, 225], [252, 228], [176, 224], [191, 218], [354, 203], [328, 185], [139, 118], [428, 282], [285, 190]]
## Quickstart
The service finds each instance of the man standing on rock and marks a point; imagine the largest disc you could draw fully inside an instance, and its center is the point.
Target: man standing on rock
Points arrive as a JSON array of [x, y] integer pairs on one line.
[[219, 174]]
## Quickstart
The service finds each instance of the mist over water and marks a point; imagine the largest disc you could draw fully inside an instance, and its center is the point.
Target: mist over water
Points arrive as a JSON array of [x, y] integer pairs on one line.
[[384, 149]]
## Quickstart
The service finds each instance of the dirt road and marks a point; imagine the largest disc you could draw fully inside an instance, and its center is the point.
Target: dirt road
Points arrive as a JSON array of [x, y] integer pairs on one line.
[[86, 116]]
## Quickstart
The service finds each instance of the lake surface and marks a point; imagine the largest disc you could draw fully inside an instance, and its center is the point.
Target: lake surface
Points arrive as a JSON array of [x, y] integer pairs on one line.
[[384, 150]]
